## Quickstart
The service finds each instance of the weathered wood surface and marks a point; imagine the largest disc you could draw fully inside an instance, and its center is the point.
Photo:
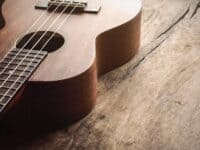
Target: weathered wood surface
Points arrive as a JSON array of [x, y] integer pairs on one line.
[[152, 102]]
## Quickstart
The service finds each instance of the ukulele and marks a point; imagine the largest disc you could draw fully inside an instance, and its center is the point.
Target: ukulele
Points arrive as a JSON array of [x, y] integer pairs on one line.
[[52, 52]]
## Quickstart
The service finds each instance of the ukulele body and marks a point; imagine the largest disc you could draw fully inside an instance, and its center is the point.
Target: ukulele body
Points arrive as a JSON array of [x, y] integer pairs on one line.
[[63, 87]]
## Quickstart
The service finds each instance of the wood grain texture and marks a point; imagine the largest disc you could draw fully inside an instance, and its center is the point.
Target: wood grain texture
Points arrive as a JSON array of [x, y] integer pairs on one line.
[[153, 101]]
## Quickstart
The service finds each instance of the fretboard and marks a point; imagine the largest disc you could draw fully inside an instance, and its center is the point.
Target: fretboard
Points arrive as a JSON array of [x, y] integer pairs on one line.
[[15, 69]]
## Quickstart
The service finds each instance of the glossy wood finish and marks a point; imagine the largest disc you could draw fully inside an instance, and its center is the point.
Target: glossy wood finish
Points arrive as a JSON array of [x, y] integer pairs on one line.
[[63, 88]]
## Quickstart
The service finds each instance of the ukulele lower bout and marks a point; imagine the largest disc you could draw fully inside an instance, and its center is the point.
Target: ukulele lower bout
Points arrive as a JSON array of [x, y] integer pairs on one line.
[[62, 87]]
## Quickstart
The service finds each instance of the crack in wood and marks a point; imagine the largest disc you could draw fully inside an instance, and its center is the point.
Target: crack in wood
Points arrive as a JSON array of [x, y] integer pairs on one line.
[[147, 54], [167, 30], [175, 23], [196, 9], [130, 70]]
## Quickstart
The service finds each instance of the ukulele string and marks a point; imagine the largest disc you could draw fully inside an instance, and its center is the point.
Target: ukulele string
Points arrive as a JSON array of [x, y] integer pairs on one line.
[[27, 42], [12, 85]]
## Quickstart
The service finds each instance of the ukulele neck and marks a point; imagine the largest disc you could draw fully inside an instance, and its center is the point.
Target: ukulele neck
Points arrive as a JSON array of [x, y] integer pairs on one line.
[[15, 69]]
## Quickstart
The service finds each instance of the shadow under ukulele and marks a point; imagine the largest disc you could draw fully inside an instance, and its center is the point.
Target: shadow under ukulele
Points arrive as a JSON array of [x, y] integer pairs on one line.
[[13, 137]]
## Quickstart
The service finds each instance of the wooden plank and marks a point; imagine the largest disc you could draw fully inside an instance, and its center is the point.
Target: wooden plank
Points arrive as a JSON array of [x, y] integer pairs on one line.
[[152, 102]]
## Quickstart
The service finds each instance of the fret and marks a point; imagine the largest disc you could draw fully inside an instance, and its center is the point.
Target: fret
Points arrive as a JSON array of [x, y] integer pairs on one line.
[[3, 76], [9, 92], [22, 55], [4, 99], [5, 88], [16, 74], [8, 61], [8, 84], [14, 79], [2, 91], [21, 63], [15, 69], [11, 56], [16, 51], [19, 57], [25, 51], [18, 60], [20, 68], [1, 96]]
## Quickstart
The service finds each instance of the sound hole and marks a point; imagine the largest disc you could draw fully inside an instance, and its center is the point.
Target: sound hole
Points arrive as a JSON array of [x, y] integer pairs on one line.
[[41, 40]]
